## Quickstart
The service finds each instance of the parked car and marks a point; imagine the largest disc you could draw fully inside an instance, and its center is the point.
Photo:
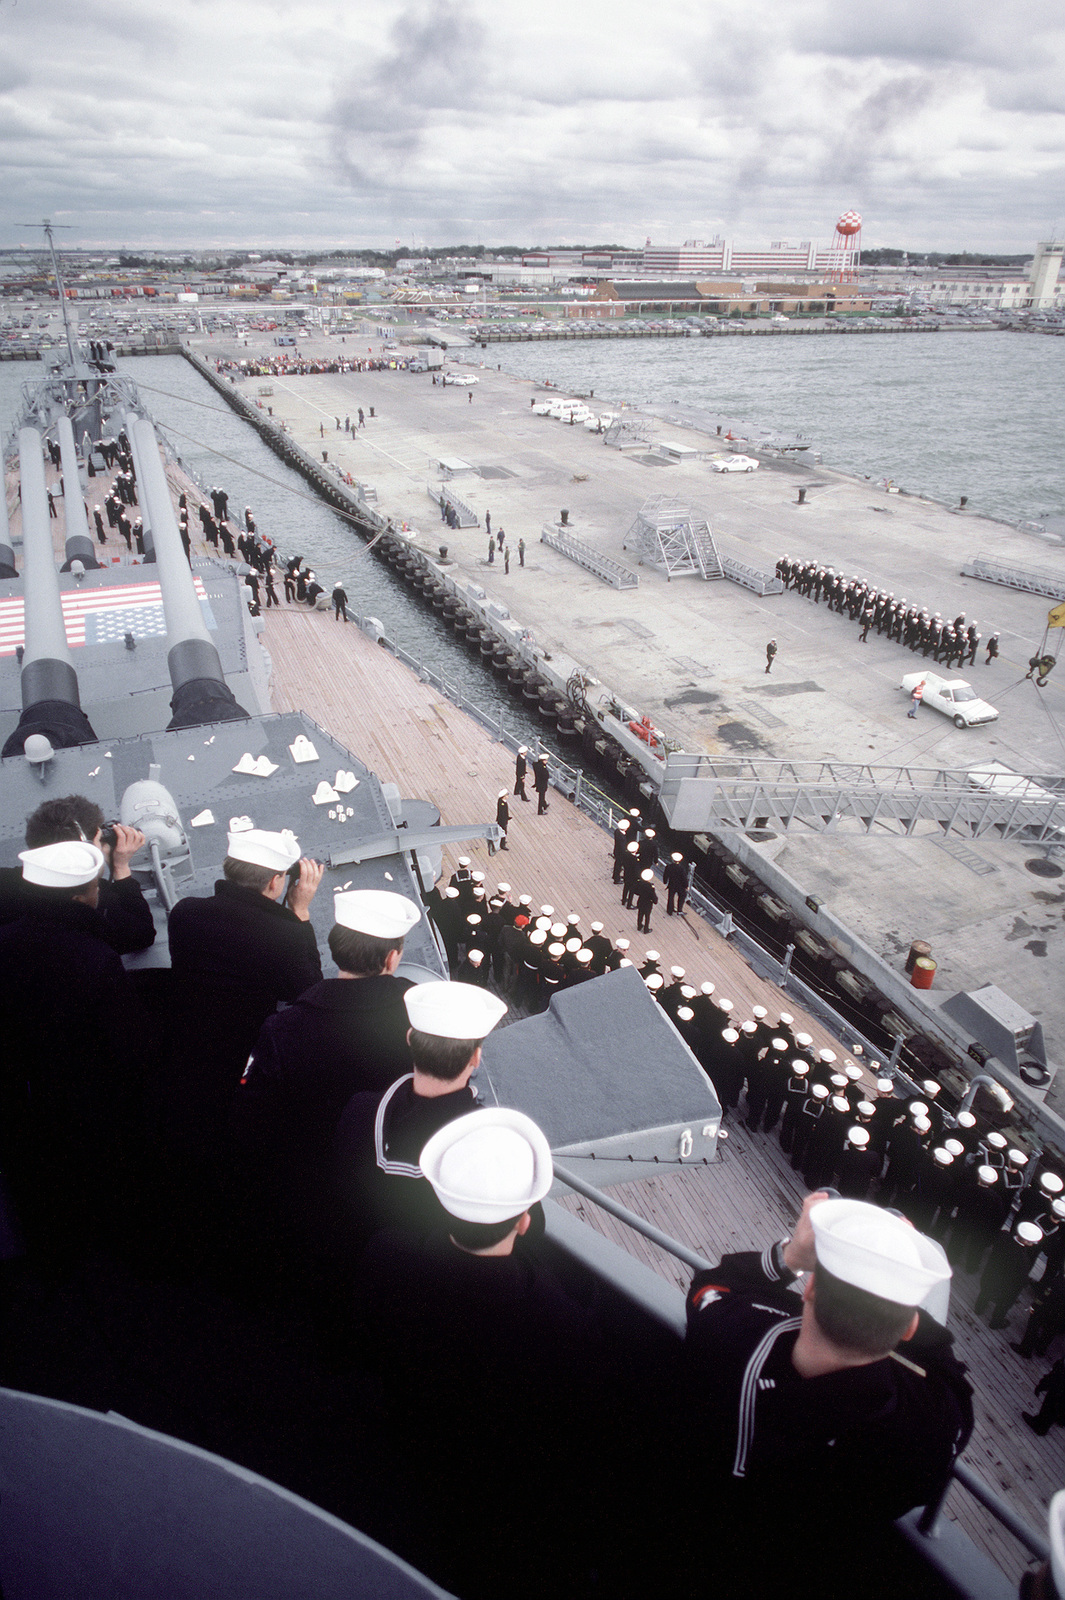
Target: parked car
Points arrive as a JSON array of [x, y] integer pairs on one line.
[[460, 377], [953, 696], [733, 463]]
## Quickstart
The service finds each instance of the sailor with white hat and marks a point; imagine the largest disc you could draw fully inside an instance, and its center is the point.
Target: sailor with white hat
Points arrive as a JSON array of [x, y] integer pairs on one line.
[[1007, 1270], [521, 767], [600, 946], [646, 900], [380, 1137], [677, 879], [343, 1036], [889, 1429], [489, 1167], [72, 868], [247, 947]]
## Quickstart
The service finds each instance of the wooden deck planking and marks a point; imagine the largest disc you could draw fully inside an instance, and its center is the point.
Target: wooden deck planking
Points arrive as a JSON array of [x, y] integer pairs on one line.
[[410, 734]]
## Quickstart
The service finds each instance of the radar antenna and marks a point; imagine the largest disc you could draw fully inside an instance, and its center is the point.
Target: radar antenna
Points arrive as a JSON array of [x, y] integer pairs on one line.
[[49, 227]]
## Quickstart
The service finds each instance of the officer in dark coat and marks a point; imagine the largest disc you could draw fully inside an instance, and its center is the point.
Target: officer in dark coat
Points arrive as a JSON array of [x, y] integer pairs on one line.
[[75, 1048], [480, 1348], [675, 877], [982, 1208], [541, 782], [521, 767], [236, 954], [787, 1395], [630, 873], [380, 1137], [622, 836], [600, 946], [646, 900]]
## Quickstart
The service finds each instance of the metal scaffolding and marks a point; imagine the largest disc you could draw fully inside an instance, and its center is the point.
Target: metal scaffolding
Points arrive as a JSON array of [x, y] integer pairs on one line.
[[630, 430], [837, 796], [669, 536]]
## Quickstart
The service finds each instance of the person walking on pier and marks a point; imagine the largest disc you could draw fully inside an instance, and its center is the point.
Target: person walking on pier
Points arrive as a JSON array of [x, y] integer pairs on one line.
[[992, 649], [540, 783], [503, 816], [521, 552], [488, 523], [916, 697], [491, 551], [506, 562], [770, 652], [362, 419], [340, 601], [521, 767]]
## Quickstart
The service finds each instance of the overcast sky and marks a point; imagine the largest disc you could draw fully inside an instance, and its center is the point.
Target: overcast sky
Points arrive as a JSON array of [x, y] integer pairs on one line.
[[246, 122]]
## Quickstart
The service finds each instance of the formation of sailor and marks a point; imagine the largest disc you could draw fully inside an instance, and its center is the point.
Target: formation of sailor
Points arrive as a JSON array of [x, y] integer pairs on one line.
[[949, 642]]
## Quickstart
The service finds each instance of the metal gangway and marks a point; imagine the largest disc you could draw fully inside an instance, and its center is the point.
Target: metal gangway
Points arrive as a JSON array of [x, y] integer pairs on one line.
[[701, 791], [671, 537], [444, 495], [1033, 580], [761, 583], [629, 432], [567, 544]]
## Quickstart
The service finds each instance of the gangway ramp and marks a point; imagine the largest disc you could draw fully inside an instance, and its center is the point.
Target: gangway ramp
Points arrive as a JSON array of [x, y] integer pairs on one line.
[[702, 791]]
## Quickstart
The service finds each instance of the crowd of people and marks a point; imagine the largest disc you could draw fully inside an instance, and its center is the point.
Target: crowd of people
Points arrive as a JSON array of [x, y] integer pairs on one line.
[[949, 643], [295, 365]]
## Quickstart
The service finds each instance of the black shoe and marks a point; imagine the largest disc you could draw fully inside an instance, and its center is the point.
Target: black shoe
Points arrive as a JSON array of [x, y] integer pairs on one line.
[[1033, 1423]]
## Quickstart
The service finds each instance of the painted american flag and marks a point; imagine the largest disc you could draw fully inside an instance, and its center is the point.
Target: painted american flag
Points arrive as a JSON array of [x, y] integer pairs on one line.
[[100, 616]]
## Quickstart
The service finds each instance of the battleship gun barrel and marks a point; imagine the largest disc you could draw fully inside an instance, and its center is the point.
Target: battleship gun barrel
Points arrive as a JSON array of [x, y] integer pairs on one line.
[[7, 553], [201, 693], [51, 704], [131, 419], [80, 546]]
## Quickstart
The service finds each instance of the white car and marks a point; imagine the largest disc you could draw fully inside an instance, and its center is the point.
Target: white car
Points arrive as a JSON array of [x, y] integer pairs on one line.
[[732, 463], [953, 696], [461, 377]]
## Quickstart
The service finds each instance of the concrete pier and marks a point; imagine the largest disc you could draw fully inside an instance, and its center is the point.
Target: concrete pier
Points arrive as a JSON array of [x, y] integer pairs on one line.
[[691, 654]]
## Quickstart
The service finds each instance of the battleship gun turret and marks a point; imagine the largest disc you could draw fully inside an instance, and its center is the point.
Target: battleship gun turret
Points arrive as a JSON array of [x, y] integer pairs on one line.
[[201, 693], [51, 704], [79, 545]]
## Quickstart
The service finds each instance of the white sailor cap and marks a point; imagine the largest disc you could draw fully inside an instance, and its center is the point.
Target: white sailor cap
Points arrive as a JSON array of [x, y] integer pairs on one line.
[[464, 861], [1028, 1233], [786, 1018], [525, 899], [943, 1157], [453, 1010], [583, 956], [543, 924], [884, 1086], [624, 823], [1058, 1207], [523, 749], [917, 1108], [538, 937], [278, 851], [870, 1249], [451, 894], [502, 888], [654, 981], [838, 1081], [955, 1147], [597, 927], [804, 1039], [488, 1166], [1017, 1158], [573, 918], [729, 1035], [726, 1006], [70, 864], [685, 1013], [853, 1073], [800, 1068], [555, 950], [779, 1045], [706, 988], [996, 1140], [652, 955], [687, 992], [827, 1056], [987, 1175], [648, 833], [647, 875], [759, 1012], [676, 856], [624, 962], [621, 944], [547, 911], [633, 848], [858, 1137], [377, 912], [930, 1087], [922, 1124], [677, 972], [478, 877], [558, 929], [1050, 1183], [474, 920], [839, 1103], [748, 1027], [503, 794], [819, 1091], [573, 945], [475, 956]]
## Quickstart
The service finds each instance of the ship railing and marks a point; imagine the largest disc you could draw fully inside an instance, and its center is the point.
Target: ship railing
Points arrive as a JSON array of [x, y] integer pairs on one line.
[[1033, 580], [969, 1573]]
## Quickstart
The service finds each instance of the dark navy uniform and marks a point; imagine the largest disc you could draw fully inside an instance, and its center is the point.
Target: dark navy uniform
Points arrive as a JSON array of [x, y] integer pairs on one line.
[[126, 916]]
